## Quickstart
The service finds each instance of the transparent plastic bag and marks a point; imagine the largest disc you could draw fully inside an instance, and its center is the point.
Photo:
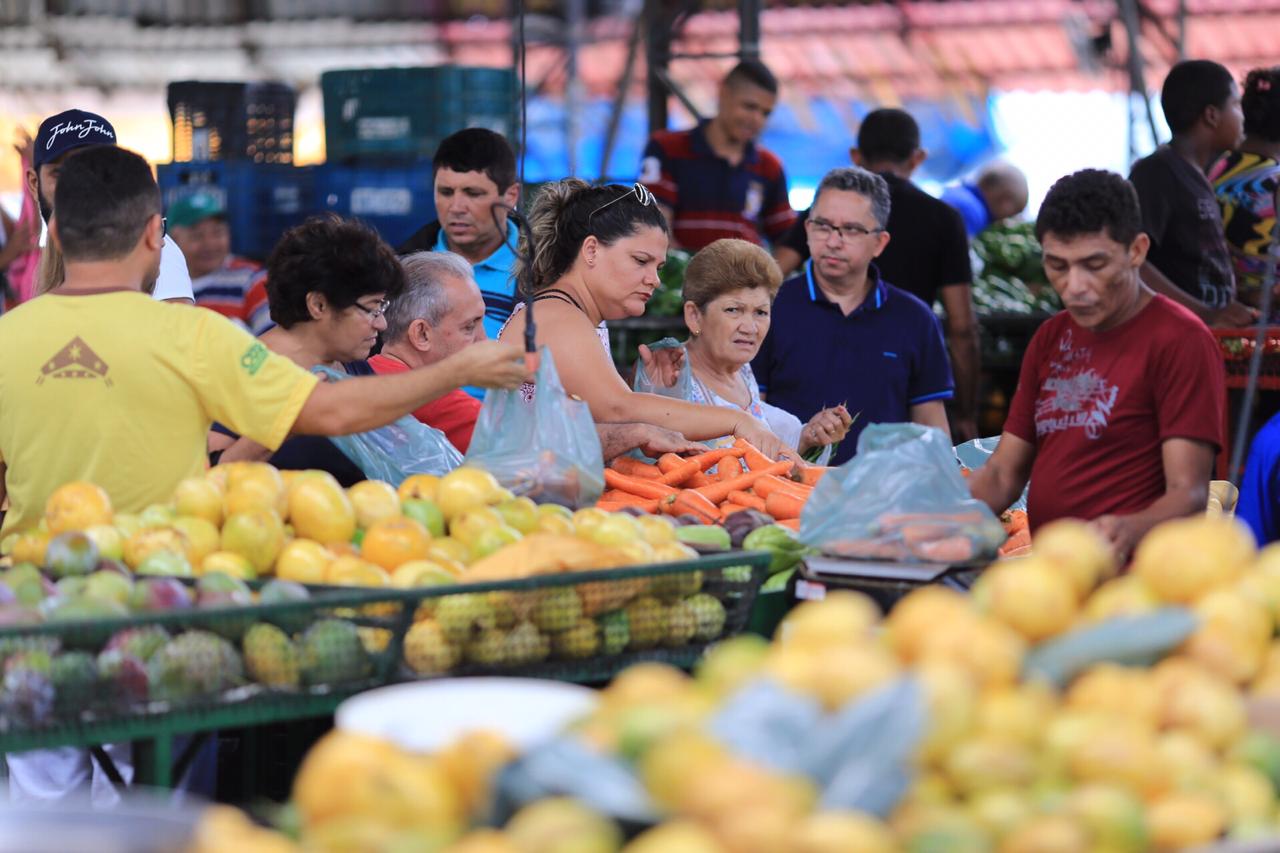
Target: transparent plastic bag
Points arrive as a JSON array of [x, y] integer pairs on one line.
[[682, 390], [974, 454], [900, 498], [394, 452], [546, 449]]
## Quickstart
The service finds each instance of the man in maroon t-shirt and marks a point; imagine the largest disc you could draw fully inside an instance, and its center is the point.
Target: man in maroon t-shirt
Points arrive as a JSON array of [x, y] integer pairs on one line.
[[1119, 408]]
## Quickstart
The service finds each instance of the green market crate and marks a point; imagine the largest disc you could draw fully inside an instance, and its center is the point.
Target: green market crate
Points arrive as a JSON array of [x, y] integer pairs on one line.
[[582, 626], [402, 114], [79, 672]]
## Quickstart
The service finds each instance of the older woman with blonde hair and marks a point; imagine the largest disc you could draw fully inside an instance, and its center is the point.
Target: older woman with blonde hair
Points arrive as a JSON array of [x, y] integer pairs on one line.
[[729, 288]]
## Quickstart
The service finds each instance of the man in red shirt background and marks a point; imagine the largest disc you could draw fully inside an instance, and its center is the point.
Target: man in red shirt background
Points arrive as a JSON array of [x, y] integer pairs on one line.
[[439, 312], [1119, 408]]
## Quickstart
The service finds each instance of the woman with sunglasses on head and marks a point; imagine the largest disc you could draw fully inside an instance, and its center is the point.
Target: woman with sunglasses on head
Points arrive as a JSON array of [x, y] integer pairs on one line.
[[595, 257], [329, 281]]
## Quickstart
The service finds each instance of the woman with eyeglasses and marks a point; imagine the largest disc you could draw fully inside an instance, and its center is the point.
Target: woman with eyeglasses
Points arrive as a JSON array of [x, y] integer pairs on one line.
[[329, 281], [595, 257]]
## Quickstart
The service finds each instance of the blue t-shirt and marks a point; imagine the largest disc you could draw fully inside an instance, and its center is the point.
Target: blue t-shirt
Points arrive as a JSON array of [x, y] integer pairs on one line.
[[311, 452], [1260, 489], [885, 357], [496, 276], [972, 206]]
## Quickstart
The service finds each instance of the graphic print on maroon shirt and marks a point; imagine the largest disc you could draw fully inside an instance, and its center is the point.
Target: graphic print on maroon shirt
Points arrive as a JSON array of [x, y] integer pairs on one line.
[[1098, 407]]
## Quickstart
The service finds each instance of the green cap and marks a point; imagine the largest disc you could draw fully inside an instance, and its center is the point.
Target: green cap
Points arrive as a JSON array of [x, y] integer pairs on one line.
[[192, 209]]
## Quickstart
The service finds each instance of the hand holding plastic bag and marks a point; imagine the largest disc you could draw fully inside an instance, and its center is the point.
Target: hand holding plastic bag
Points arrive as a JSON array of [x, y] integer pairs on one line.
[[900, 498], [974, 454], [394, 452], [682, 390], [546, 449]]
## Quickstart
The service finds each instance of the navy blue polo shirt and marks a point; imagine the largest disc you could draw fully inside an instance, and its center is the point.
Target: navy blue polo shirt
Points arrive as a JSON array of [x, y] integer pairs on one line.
[[885, 357]]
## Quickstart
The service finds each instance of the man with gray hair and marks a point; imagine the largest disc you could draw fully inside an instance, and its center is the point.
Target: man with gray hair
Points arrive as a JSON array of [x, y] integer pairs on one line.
[[840, 334], [439, 312]]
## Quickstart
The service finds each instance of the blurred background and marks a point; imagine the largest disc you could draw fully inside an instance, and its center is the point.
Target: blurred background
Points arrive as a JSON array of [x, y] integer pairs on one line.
[[1054, 85]]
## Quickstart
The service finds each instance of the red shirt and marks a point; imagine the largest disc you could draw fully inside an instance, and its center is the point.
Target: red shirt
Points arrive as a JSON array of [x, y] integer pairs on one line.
[[1097, 407], [454, 414]]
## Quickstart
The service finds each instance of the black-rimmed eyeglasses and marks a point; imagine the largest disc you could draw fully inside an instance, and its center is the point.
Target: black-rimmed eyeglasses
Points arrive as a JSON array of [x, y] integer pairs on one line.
[[822, 229], [374, 313]]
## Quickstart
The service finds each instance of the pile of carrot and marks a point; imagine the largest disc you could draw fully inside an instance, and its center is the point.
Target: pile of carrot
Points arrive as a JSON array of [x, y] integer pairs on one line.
[[1019, 531], [743, 478]]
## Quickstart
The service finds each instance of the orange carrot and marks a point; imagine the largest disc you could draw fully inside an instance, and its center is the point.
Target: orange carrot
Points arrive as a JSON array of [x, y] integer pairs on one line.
[[810, 475], [717, 492], [746, 499], [730, 509], [790, 523], [693, 502], [754, 459], [633, 467], [766, 486], [681, 473], [669, 462], [636, 486], [727, 469], [782, 506], [711, 458], [616, 506], [697, 481]]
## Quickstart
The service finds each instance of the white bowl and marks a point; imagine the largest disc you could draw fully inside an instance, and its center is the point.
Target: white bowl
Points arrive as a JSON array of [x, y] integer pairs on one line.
[[425, 716]]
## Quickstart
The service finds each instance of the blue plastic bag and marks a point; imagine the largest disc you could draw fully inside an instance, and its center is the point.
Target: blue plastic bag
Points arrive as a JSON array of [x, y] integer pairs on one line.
[[901, 498], [394, 452], [546, 449]]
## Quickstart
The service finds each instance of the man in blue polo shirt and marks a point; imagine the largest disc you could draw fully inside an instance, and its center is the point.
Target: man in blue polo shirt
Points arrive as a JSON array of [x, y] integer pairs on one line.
[[998, 193], [839, 334], [474, 168]]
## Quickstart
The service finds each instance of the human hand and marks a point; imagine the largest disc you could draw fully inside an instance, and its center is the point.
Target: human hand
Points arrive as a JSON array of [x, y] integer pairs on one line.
[[662, 365], [756, 433], [654, 441], [491, 364], [826, 427], [1120, 532], [1235, 315], [25, 146]]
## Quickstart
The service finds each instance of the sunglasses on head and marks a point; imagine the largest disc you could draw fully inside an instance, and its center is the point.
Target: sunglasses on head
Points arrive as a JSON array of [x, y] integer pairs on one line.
[[639, 192]]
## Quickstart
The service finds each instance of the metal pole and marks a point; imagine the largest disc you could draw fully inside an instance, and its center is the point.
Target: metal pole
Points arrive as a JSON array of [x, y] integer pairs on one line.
[[1137, 79], [749, 29], [576, 15], [657, 49], [1182, 30]]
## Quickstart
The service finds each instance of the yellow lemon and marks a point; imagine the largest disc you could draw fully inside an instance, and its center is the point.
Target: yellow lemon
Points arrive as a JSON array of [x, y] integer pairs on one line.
[[464, 489], [320, 509], [199, 497], [304, 561], [76, 506], [391, 542], [420, 487], [373, 500], [229, 564]]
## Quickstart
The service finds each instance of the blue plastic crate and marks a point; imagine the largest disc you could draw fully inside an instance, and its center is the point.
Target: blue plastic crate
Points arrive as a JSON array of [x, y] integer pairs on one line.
[[262, 200], [396, 200], [402, 114]]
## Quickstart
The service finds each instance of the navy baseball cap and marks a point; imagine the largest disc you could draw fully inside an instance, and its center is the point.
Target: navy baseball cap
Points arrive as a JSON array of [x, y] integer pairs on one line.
[[70, 130]]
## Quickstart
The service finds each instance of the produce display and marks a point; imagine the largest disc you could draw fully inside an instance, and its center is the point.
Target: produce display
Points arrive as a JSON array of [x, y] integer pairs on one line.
[[1059, 708], [1009, 274], [712, 485], [109, 612]]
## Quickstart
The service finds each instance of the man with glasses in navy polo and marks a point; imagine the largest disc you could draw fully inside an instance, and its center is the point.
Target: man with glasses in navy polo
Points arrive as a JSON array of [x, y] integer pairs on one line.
[[842, 335]]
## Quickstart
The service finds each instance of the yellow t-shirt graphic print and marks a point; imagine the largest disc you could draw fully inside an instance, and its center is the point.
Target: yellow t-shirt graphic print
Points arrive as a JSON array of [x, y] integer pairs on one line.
[[75, 361], [120, 390]]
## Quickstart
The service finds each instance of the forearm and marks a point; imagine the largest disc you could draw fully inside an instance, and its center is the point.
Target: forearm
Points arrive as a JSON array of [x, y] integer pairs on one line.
[[966, 364], [695, 421], [996, 488], [244, 450], [1177, 502], [931, 414], [617, 439], [368, 402]]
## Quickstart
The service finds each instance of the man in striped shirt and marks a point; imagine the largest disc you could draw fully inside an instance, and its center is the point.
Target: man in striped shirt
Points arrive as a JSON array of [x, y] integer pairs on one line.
[[235, 287], [714, 180]]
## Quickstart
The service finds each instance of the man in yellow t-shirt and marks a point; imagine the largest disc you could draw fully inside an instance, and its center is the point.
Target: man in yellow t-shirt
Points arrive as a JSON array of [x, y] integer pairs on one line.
[[100, 383]]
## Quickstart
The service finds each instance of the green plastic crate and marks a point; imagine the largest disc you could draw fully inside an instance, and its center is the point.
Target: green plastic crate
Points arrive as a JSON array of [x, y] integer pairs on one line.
[[402, 114]]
